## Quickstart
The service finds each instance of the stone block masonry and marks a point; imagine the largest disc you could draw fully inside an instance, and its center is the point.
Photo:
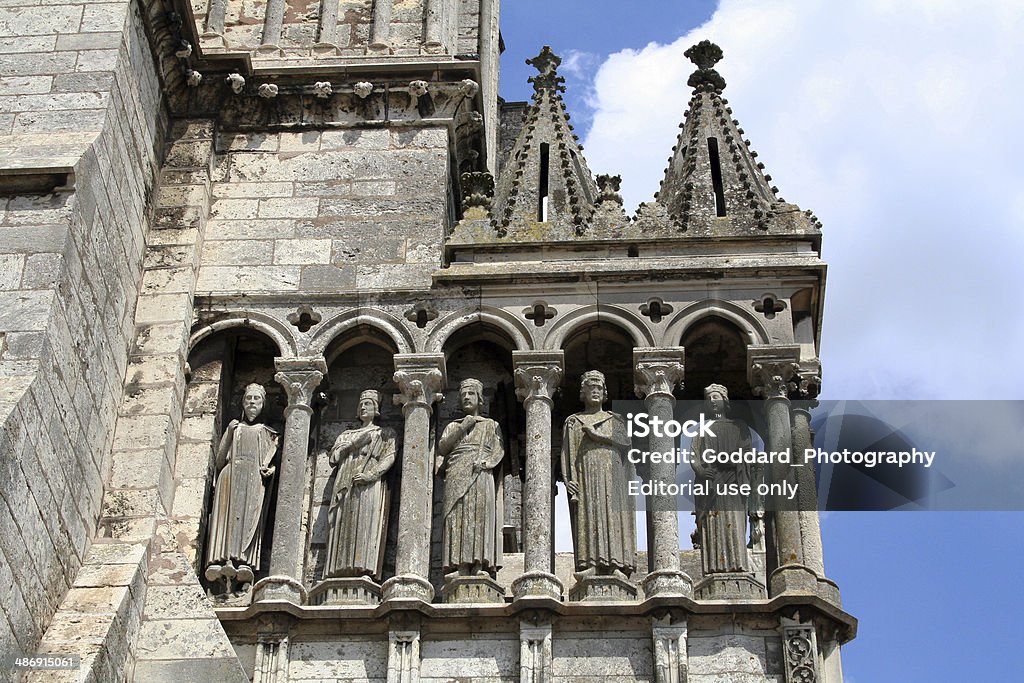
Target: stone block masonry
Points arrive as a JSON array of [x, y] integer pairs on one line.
[[81, 101], [326, 211]]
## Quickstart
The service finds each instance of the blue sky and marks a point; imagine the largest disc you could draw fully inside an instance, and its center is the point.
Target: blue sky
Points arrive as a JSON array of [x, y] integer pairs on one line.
[[897, 124]]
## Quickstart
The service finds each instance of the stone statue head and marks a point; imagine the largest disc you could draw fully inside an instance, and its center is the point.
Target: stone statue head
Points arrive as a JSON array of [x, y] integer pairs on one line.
[[253, 400], [369, 406], [593, 389], [717, 398], [471, 395]]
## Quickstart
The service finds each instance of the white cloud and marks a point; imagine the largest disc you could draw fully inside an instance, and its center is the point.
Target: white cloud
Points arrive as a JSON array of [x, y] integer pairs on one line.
[[897, 123]]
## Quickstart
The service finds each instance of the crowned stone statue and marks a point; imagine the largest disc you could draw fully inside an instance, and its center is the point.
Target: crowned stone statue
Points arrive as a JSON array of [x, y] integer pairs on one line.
[[358, 511], [596, 475], [469, 451], [239, 511], [721, 517]]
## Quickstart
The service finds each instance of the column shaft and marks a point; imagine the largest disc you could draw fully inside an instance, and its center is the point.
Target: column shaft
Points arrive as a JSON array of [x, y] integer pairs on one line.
[[419, 377], [380, 39], [810, 528], [537, 375], [658, 373], [300, 377], [215, 16], [273, 22]]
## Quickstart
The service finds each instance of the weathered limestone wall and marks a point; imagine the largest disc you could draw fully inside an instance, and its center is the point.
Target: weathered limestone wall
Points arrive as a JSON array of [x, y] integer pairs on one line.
[[331, 211], [349, 29], [79, 95]]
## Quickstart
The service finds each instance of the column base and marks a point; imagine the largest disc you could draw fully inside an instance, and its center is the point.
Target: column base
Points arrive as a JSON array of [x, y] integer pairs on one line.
[[829, 591], [408, 587], [325, 50], [537, 584], [473, 589], [432, 48], [667, 582], [602, 589], [731, 586], [793, 578], [269, 50], [279, 588], [355, 590], [379, 49]]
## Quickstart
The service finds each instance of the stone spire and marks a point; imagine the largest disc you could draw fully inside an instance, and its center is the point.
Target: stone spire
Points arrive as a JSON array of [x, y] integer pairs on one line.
[[714, 184], [545, 191]]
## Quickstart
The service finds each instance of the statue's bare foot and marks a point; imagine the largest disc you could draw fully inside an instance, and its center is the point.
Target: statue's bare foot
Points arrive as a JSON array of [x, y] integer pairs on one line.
[[214, 572], [618, 574], [244, 574]]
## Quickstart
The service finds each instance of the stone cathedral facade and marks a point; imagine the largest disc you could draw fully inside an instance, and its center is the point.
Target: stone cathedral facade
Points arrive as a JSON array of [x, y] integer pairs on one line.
[[301, 326]]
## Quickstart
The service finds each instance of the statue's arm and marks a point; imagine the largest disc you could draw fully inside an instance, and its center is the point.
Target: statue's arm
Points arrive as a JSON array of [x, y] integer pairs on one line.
[[343, 445], [224, 449], [446, 444], [497, 448], [700, 468], [387, 456], [450, 438]]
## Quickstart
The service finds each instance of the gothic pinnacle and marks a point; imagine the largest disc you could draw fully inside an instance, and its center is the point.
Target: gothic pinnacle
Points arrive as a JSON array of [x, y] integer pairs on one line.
[[705, 55], [546, 63]]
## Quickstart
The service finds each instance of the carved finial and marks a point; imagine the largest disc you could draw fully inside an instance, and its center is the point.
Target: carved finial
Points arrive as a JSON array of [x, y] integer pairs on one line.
[[477, 190], [193, 78], [546, 63], [609, 186], [705, 55]]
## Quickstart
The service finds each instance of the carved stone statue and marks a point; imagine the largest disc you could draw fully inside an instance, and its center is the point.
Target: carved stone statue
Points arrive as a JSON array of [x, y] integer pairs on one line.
[[238, 514], [721, 517], [595, 470], [467, 455], [358, 512]]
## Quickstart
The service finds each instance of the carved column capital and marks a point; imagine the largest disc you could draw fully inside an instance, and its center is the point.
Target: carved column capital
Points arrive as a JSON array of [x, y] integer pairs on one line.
[[420, 378], [657, 371], [300, 377], [538, 374], [773, 370]]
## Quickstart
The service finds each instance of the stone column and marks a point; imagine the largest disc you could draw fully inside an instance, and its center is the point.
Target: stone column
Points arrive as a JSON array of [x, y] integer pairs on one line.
[[773, 374], [538, 375], [273, 22], [658, 373], [419, 377], [432, 40], [300, 377], [536, 660], [380, 38], [670, 659], [404, 656], [215, 16], [328, 28]]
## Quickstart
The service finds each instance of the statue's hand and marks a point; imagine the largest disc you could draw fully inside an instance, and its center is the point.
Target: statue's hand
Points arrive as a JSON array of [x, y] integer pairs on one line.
[[233, 424], [573, 488], [365, 438], [268, 472], [467, 423], [479, 466], [360, 478]]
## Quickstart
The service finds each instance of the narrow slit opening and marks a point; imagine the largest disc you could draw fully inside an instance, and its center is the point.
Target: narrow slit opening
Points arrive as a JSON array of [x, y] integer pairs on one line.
[[542, 188], [716, 177]]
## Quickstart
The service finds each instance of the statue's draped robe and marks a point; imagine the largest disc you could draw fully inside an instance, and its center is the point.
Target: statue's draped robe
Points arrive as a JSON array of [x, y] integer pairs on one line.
[[239, 508], [722, 518], [358, 512], [604, 516], [472, 515]]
